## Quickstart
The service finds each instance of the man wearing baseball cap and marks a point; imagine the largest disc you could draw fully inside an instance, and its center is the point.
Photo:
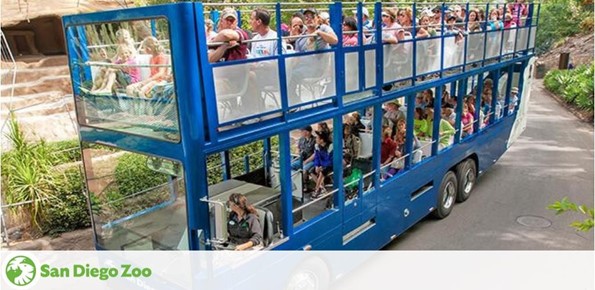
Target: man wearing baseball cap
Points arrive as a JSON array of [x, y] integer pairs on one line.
[[367, 24], [231, 36]]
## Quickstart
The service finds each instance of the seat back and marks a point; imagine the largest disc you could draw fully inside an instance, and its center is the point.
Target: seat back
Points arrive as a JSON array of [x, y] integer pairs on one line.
[[266, 219], [365, 149]]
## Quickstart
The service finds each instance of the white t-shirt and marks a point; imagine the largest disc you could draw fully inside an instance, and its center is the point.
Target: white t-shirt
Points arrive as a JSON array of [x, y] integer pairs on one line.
[[264, 48]]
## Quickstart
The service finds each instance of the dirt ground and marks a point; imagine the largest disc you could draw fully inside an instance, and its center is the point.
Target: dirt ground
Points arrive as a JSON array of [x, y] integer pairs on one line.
[[581, 49]]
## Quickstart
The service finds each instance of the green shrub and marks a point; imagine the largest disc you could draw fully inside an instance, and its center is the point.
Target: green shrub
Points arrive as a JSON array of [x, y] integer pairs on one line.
[[559, 19], [132, 174], [575, 86], [65, 151], [72, 212]]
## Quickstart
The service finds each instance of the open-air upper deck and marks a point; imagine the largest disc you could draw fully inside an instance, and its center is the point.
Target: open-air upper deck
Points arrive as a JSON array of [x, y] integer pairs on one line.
[[173, 82]]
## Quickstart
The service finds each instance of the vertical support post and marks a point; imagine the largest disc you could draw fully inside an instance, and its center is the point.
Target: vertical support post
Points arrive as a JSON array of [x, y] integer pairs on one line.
[[466, 33], [495, 94], [436, 121], [478, 95], [485, 35], [510, 73], [339, 199], [225, 165], [503, 34], [285, 179], [377, 137], [215, 15], [379, 50], [459, 110], [414, 60], [409, 134], [335, 10], [441, 43], [153, 28], [281, 63], [360, 52]]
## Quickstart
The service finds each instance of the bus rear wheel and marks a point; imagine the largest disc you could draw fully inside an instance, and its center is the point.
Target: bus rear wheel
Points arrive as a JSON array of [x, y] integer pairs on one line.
[[446, 196], [466, 176]]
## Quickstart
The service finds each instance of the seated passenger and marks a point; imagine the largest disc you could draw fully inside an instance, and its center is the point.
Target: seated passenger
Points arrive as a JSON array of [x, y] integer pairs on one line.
[[419, 122], [124, 76], [297, 27], [305, 147], [158, 69], [232, 36], [349, 143], [466, 121], [387, 147], [445, 129], [514, 99], [324, 128], [448, 114], [243, 226], [123, 38], [323, 162]]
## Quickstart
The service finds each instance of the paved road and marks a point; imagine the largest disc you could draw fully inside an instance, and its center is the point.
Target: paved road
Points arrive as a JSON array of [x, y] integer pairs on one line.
[[552, 159]]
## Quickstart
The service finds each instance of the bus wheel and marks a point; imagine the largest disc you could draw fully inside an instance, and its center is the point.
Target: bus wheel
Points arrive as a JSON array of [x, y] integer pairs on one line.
[[311, 274], [446, 196], [466, 176]]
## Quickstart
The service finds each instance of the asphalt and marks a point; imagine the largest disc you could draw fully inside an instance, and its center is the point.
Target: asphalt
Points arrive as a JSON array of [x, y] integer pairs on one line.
[[552, 159]]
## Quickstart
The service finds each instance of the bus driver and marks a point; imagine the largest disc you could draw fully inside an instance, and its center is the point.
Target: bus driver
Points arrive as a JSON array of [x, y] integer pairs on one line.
[[243, 225]]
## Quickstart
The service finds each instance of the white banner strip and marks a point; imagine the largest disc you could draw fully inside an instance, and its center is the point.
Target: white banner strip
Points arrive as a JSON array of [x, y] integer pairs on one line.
[[297, 270]]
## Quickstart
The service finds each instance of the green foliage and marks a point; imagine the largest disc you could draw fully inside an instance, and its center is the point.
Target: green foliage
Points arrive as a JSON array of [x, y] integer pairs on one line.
[[65, 151], [72, 212], [132, 174], [576, 86], [564, 206], [559, 19], [27, 176]]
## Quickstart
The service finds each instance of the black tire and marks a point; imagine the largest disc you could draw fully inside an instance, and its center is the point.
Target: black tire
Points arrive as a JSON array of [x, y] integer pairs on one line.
[[466, 177], [446, 196]]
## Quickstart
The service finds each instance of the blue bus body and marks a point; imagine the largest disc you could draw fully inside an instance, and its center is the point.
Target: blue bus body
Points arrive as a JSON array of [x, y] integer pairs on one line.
[[379, 214]]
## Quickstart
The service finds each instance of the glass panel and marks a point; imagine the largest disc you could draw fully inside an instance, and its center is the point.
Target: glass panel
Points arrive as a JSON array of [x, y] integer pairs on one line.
[[397, 61], [428, 55], [453, 51], [522, 38], [357, 153], [351, 72], [475, 47], [370, 56], [254, 173], [532, 37], [134, 206], [493, 44], [246, 89], [125, 78], [312, 162], [509, 37], [392, 142], [310, 77]]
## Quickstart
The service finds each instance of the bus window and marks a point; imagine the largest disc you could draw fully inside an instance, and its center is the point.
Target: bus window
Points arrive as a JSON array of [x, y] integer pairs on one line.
[[138, 202], [252, 170], [357, 154], [312, 160], [310, 78], [123, 80]]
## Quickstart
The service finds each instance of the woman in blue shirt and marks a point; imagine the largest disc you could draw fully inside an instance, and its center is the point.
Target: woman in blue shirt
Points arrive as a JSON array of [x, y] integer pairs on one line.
[[323, 161]]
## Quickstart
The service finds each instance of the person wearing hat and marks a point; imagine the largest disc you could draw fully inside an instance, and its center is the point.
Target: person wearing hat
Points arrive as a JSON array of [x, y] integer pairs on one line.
[[514, 99], [393, 114], [316, 36], [366, 23], [325, 18], [391, 29], [231, 36]]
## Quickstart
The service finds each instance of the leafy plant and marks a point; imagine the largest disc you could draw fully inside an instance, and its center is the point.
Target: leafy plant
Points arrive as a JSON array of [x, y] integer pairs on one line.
[[132, 174], [27, 175], [565, 205], [575, 86]]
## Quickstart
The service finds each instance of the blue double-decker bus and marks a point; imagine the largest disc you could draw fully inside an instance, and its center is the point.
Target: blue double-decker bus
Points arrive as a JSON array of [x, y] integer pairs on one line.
[[323, 116]]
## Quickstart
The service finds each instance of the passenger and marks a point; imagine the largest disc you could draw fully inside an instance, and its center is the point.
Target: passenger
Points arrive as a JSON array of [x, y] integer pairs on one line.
[[392, 31], [514, 99], [357, 124], [437, 18], [387, 147], [323, 162], [305, 147], [124, 76], [428, 96], [319, 37], [473, 24], [445, 129], [448, 114], [350, 36], [324, 36], [405, 18], [519, 11], [466, 121], [393, 113], [424, 30], [243, 226], [159, 72], [324, 128], [349, 144], [470, 101], [367, 24], [297, 28], [325, 18], [209, 30], [232, 37], [419, 122], [262, 73], [495, 23], [123, 38]]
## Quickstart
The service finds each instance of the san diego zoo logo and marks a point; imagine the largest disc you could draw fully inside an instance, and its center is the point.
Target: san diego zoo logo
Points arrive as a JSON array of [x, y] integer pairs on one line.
[[20, 271]]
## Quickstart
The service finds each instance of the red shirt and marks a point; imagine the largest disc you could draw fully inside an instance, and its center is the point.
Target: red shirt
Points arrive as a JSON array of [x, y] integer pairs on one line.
[[387, 149], [240, 51]]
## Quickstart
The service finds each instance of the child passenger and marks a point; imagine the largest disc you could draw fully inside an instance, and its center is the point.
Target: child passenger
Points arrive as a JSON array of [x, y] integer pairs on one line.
[[124, 76]]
